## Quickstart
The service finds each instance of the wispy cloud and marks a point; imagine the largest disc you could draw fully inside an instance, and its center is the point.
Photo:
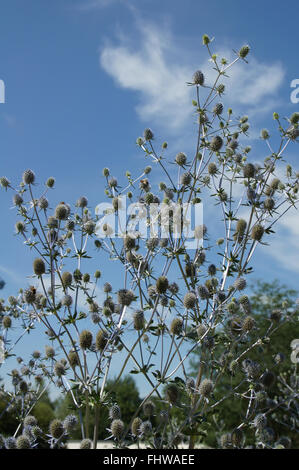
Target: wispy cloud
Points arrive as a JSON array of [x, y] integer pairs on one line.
[[88, 5], [157, 68]]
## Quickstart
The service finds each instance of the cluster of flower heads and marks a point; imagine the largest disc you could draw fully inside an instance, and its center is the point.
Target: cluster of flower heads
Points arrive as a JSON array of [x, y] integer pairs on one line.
[[174, 301]]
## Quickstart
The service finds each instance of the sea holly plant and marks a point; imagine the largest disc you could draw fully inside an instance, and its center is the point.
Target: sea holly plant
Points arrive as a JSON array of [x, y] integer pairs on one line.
[[180, 293]]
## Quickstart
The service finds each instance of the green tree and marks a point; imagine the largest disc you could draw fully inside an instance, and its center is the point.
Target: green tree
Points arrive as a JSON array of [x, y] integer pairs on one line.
[[267, 301]]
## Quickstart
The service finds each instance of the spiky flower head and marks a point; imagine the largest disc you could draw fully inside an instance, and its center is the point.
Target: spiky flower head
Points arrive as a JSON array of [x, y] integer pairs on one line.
[[212, 168], [20, 227], [125, 297], [257, 232], [181, 159], [172, 393], [203, 292], [129, 242], [17, 200], [30, 421], [59, 369], [117, 428], [190, 300], [43, 203], [201, 330], [82, 202], [10, 443], [260, 421], [268, 379], [114, 412], [135, 426], [66, 278], [62, 211], [185, 179], [70, 423], [50, 352], [176, 326], [293, 132], [244, 51], [148, 134], [162, 284], [101, 340], [89, 227], [206, 387], [249, 170], [23, 442], [200, 231], [73, 359], [240, 283], [198, 78], [85, 444], [146, 428], [56, 428], [4, 182], [28, 177], [218, 109], [85, 339], [216, 143], [138, 320], [39, 266], [248, 323], [149, 408], [52, 222], [6, 322], [67, 300], [29, 295]]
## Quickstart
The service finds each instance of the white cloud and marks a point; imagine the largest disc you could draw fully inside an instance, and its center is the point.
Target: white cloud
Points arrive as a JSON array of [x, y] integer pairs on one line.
[[95, 4], [158, 69]]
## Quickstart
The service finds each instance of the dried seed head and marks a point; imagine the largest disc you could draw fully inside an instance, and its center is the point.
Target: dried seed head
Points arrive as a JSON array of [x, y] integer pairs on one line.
[[66, 278], [244, 51], [85, 444], [135, 427], [212, 168], [20, 227], [190, 300], [185, 179], [240, 283], [203, 292], [218, 109], [206, 387], [257, 232], [149, 408], [101, 340], [249, 170], [30, 421], [85, 339], [6, 322], [216, 143], [148, 134], [70, 423], [172, 393], [162, 284], [201, 330], [176, 326], [89, 227], [23, 442], [17, 200], [67, 300], [248, 324], [125, 297], [117, 428], [181, 159], [200, 231], [28, 177], [114, 412], [198, 78], [59, 369], [50, 352], [56, 428], [73, 359], [62, 212], [82, 202], [129, 242], [146, 428], [138, 319]]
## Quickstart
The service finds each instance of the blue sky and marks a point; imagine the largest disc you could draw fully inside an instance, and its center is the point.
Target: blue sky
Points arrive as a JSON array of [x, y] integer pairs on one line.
[[84, 77]]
